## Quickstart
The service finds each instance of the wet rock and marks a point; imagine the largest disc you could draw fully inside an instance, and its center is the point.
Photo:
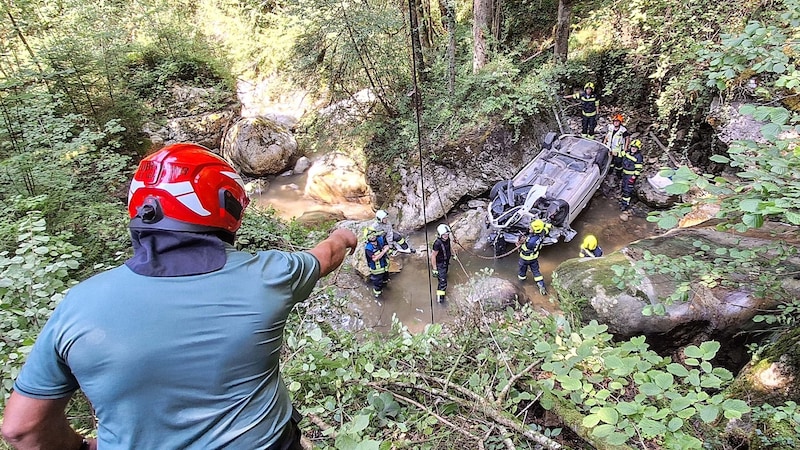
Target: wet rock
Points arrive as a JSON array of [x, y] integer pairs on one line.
[[652, 192], [319, 218], [259, 147], [336, 178], [489, 294], [301, 165], [589, 287]]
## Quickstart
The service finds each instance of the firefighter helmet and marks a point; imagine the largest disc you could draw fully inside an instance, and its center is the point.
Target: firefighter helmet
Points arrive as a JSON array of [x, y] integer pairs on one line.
[[589, 85], [442, 229], [371, 233], [636, 144], [590, 242], [537, 225], [185, 187], [617, 117], [381, 214]]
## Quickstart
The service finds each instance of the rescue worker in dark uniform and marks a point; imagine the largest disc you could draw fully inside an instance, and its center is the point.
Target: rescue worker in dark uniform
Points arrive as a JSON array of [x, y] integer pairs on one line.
[[589, 106], [440, 259], [589, 247], [529, 254], [377, 259], [632, 163]]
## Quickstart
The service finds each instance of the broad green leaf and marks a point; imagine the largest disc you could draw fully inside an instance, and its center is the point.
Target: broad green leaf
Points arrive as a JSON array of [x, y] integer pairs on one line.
[[591, 420], [681, 403], [664, 380], [674, 424], [677, 369], [603, 430], [608, 415], [709, 413], [750, 205], [651, 428]]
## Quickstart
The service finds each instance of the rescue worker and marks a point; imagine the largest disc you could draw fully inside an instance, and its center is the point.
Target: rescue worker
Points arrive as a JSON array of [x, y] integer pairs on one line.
[[376, 251], [589, 106], [440, 259], [396, 242], [529, 253], [618, 139], [632, 163], [589, 247]]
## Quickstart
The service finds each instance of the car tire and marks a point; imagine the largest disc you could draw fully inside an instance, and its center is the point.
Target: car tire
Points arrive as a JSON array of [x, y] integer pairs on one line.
[[548, 140]]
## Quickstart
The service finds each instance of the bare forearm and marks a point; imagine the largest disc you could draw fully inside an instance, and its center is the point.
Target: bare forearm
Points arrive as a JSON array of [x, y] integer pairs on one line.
[[32, 424], [331, 252]]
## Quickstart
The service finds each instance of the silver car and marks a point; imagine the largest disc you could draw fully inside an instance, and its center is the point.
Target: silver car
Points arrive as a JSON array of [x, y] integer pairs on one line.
[[555, 187]]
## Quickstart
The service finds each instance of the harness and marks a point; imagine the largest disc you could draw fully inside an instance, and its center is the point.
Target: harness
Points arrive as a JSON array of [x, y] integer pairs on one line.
[[529, 253], [380, 266]]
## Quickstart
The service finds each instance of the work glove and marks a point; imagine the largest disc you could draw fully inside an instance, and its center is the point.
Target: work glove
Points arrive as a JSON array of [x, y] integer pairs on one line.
[[435, 273], [632, 179]]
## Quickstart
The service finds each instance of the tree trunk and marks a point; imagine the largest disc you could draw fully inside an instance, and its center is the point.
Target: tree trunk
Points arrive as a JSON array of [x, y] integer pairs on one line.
[[447, 10], [561, 33], [414, 8], [482, 14]]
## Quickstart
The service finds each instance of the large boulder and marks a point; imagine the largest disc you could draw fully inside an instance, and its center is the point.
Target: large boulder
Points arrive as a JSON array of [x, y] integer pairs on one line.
[[652, 192], [259, 147], [336, 178], [489, 294], [592, 288]]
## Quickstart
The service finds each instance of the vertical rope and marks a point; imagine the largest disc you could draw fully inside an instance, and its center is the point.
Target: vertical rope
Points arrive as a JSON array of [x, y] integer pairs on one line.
[[417, 100]]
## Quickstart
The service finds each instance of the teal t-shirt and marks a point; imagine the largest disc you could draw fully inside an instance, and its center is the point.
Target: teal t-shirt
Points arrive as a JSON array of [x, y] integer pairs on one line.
[[176, 363]]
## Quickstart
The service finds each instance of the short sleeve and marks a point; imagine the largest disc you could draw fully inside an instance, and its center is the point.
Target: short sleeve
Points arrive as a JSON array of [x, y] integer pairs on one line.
[[45, 374], [306, 269]]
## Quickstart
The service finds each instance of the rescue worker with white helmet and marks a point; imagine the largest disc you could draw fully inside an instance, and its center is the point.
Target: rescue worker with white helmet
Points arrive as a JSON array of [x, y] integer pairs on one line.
[[529, 253], [632, 163], [589, 106], [395, 240], [440, 259], [589, 247]]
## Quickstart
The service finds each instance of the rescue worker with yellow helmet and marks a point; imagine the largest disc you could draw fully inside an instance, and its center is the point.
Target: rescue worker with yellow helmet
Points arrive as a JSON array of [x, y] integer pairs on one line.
[[375, 252], [589, 107], [618, 139], [441, 253], [589, 247], [632, 163], [529, 253]]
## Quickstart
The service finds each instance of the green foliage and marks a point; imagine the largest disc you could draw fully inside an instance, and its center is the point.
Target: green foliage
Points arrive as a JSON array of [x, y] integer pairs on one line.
[[776, 426], [33, 279], [262, 229]]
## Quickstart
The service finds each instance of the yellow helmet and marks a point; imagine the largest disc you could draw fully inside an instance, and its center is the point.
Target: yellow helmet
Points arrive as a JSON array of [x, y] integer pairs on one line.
[[589, 85], [589, 242], [371, 233], [537, 225], [636, 143]]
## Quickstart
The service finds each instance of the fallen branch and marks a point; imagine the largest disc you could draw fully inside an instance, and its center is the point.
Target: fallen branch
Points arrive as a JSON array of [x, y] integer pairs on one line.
[[427, 410], [502, 397], [664, 149], [480, 404]]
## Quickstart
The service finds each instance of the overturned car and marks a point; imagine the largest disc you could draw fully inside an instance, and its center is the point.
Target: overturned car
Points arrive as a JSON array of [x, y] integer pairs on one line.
[[555, 187]]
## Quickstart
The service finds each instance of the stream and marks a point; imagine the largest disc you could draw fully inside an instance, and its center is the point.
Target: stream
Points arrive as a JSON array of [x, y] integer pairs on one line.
[[410, 296]]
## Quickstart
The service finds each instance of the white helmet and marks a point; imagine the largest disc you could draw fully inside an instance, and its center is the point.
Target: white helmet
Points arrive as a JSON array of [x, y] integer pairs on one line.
[[381, 214], [442, 229]]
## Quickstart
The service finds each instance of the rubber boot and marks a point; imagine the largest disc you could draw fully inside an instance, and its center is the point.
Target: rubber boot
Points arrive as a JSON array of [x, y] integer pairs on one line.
[[542, 288]]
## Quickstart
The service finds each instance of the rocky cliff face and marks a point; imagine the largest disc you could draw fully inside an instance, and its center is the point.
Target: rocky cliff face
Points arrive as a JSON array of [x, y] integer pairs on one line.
[[460, 171]]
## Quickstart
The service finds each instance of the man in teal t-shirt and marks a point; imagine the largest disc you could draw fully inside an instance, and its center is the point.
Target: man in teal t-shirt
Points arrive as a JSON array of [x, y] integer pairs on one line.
[[178, 348]]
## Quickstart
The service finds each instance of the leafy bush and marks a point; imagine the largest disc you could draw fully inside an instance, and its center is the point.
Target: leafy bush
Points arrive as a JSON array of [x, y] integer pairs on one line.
[[33, 279]]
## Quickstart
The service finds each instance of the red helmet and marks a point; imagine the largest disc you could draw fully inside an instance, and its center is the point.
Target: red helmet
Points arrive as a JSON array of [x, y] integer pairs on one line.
[[185, 187]]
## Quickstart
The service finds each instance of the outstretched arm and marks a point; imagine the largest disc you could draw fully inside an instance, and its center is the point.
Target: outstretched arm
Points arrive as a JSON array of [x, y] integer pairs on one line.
[[30, 423], [331, 252]]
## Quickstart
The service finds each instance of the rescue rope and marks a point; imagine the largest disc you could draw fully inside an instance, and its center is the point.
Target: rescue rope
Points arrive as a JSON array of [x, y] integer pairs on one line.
[[417, 98], [490, 257]]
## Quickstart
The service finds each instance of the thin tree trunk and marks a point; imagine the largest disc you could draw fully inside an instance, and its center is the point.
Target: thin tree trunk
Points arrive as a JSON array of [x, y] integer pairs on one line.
[[561, 32], [449, 18], [416, 40], [480, 24]]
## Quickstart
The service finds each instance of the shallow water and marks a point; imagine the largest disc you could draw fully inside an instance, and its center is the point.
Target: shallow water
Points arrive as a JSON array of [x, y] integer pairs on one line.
[[411, 293]]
